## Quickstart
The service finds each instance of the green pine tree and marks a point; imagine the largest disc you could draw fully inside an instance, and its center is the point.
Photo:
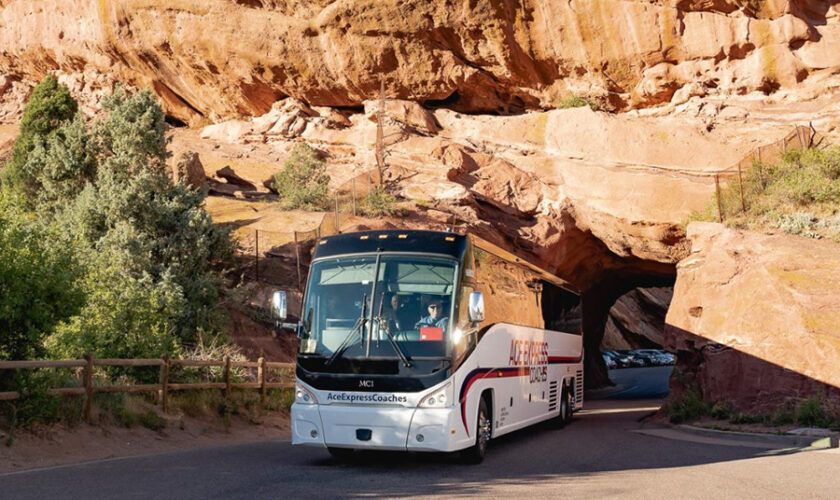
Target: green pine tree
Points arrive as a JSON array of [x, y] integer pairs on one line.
[[48, 108]]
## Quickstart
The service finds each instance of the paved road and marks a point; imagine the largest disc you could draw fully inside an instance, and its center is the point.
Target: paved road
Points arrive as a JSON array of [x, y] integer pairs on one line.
[[637, 383], [600, 455]]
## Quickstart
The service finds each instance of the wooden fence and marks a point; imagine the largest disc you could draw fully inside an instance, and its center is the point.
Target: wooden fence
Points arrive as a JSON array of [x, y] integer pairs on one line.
[[164, 385]]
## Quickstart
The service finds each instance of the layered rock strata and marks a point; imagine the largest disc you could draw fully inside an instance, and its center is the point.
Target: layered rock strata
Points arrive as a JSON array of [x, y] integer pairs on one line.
[[222, 58]]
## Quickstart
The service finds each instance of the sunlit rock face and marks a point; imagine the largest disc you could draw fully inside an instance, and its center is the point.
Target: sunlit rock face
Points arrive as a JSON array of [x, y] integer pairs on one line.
[[473, 127], [223, 58], [755, 318]]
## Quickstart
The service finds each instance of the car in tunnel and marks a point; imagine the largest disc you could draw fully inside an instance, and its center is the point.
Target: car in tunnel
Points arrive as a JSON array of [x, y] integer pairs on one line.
[[623, 360], [653, 357]]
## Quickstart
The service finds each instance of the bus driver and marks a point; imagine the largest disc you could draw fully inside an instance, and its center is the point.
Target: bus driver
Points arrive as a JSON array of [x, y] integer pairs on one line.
[[435, 317]]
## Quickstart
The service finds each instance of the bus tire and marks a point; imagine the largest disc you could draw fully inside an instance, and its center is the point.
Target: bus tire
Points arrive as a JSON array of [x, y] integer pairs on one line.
[[570, 405], [483, 429], [565, 412], [341, 454]]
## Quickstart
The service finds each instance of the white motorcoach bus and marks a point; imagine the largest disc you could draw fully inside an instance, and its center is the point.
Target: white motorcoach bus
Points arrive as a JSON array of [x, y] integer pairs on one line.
[[430, 341]]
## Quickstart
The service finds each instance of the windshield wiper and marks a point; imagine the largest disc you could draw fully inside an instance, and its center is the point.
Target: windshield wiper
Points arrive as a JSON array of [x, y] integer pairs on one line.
[[345, 344], [383, 325]]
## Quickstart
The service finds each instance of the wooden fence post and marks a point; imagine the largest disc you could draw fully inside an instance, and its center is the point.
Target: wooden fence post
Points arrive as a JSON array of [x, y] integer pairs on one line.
[[257, 253], [354, 196], [336, 215], [741, 189], [261, 378], [164, 382], [227, 378], [297, 260], [717, 195], [761, 174], [88, 386]]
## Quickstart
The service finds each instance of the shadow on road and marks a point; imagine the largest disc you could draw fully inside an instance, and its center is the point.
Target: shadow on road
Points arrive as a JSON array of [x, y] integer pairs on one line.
[[596, 455]]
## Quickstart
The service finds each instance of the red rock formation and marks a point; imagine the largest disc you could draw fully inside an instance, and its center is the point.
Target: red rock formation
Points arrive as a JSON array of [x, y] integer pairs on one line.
[[755, 318], [637, 320], [217, 58]]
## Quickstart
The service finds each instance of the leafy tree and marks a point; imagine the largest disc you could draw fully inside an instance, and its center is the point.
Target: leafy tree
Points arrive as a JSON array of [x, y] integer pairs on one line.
[[133, 135], [303, 182], [49, 106], [127, 263], [155, 231], [124, 316], [38, 284]]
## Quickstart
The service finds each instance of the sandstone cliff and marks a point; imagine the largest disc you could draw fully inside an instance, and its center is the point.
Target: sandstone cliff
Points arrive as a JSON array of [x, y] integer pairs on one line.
[[473, 121], [755, 318], [221, 58]]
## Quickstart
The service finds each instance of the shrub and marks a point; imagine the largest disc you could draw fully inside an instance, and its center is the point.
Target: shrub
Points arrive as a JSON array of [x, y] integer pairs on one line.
[[810, 413], [783, 415], [151, 420], [741, 418], [802, 223], [722, 411], [799, 195], [689, 407], [124, 317], [576, 101], [35, 405], [303, 182], [378, 203]]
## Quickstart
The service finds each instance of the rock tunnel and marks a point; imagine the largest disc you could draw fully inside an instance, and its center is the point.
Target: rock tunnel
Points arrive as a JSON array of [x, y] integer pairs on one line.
[[585, 261]]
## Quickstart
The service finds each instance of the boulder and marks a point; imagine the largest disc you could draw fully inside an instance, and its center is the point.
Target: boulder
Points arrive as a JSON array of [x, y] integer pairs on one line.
[[755, 318], [189, 170], [232, 177], [508, 188], [407, 113]]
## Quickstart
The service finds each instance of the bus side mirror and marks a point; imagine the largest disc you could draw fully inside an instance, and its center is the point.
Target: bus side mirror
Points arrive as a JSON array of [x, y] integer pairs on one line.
[[476, 307], [278, 305]]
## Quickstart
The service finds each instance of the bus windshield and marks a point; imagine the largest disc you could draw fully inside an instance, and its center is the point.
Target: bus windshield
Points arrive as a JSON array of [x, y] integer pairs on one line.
[[373, 306]]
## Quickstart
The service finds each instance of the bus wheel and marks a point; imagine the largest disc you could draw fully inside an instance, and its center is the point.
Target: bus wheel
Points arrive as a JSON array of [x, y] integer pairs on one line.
[[484, 427], [570, 406], [341, 454], [565, 408]]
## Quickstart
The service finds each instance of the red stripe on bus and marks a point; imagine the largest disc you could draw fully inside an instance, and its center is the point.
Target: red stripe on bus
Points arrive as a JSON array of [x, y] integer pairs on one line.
[[513, 371], [516, 371], [564, 359]]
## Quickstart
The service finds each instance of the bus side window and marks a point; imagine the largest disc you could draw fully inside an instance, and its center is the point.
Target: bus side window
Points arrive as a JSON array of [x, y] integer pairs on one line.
[[561, 309]]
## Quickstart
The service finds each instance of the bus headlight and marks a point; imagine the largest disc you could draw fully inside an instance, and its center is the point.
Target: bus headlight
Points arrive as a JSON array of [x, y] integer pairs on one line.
[[304, 397], [438, 399]]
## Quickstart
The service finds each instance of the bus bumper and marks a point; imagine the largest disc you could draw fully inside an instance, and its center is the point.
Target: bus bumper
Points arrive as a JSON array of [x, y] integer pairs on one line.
[[378, 427]]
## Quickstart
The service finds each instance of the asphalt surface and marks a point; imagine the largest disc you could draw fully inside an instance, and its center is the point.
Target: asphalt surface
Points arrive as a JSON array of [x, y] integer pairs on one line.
[[636, 383], [601, 454]]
